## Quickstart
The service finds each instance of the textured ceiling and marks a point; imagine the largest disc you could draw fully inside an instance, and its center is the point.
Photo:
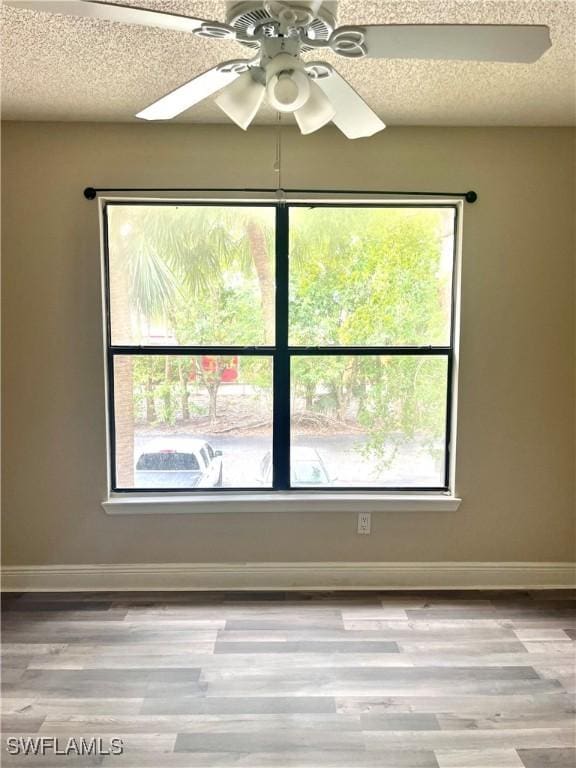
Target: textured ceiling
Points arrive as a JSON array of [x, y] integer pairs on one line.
[[65, 68]]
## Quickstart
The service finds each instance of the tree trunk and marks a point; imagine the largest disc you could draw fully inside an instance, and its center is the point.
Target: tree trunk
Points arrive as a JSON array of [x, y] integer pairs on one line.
[[310, 390], [339, 398], [349, 380], [183, 395], [151, 416], [167, 392], [213, 400], [124, 421], [184, 405], [341, 405], [259, 253], [123, 383]]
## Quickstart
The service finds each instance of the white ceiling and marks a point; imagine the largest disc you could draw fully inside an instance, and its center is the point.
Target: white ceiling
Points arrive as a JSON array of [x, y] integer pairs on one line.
[[67, 68]]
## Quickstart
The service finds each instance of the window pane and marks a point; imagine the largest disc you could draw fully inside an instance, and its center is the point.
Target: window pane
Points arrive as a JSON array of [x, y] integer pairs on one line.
[[370, 276], [374, 421], [182, 274], [193, 421]]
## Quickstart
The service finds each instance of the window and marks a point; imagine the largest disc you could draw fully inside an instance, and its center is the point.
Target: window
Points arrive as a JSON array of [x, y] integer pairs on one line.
[[268, 346]]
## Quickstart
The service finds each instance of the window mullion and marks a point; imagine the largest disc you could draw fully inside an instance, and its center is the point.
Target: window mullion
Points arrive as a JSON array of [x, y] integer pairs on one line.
[[281, 376]]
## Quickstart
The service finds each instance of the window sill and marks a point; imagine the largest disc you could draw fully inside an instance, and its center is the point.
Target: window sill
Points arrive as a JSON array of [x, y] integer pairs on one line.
[[280, 502]]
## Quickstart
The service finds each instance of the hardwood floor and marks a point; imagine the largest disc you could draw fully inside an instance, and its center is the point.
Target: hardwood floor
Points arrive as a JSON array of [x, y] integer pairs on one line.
[[296, 680]]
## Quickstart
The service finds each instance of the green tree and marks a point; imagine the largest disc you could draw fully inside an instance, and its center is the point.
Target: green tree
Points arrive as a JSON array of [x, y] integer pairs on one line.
[[372, 277], [169, 262]]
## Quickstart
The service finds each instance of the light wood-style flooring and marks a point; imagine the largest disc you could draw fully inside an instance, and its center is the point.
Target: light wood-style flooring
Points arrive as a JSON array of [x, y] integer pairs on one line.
[[295, 680]]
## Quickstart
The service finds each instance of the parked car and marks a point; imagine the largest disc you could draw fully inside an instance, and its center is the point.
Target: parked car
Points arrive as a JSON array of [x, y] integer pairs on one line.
[[183, 462], [306, 468]]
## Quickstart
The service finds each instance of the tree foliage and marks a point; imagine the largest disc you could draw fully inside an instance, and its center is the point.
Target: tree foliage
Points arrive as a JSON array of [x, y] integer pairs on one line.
[[358, 276], [372, 277]]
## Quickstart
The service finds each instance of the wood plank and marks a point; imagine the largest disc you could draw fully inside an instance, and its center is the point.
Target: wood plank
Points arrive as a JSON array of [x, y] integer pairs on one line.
[[489, 705], [548, 758], [478, 758], [240, 723], [295, 759], [518, 738], [193, 705]]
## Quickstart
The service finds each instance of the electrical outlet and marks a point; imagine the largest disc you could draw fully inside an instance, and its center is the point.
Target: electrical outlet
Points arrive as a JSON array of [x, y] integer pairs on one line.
[[364, 522]]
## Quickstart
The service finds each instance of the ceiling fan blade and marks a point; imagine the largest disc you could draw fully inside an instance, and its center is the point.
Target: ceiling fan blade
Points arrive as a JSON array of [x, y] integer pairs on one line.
[[191, 93], [126, 14], [353, 116], [467, 42]]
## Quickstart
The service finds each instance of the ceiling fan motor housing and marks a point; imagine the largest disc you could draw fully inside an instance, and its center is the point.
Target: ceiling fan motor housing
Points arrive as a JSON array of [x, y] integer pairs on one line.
[[265, 17]]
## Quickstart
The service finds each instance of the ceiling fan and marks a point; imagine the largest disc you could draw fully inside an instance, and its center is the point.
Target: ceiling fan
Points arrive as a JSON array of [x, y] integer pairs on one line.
[[280, 31]]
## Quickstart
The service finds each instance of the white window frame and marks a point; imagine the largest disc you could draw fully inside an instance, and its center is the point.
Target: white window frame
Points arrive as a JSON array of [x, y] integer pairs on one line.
[[173, 502]]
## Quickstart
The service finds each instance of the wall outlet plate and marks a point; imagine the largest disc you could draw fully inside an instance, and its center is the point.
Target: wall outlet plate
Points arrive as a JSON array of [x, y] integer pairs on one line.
[[364, 523]]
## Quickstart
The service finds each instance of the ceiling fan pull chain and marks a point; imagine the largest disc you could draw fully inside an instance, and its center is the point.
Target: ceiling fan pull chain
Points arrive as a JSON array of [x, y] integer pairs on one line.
[[278, 160]]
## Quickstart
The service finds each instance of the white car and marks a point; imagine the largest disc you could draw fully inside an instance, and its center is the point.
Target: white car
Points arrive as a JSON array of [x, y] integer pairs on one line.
[[306, 468], [183, 462]]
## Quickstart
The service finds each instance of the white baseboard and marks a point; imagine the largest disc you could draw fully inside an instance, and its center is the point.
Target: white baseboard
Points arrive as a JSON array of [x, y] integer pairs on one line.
[[287, 576]]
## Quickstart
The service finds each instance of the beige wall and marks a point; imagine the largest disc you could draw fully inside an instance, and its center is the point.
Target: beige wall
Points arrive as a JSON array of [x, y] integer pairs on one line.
[[516, 412]]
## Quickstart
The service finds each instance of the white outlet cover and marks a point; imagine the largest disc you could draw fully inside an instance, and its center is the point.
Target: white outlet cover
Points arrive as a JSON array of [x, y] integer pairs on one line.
[[364, 523]]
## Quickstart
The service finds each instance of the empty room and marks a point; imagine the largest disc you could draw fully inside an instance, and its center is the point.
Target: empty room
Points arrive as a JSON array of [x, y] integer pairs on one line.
[[288, 383]]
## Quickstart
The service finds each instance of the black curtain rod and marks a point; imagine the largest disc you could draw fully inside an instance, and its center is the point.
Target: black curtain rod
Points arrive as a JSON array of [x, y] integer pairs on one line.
[[91, 192]]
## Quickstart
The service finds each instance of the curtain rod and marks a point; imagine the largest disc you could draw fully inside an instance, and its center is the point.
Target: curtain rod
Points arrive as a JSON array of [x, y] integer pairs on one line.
[[91, 192]]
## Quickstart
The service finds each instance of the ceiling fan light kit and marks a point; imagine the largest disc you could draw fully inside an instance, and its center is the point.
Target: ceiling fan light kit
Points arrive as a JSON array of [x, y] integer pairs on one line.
[[316, 112], [280, 34], [287, 83], [242, 99]]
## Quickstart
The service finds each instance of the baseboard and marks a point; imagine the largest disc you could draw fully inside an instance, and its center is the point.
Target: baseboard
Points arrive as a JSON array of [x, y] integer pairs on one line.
[[288, 576]]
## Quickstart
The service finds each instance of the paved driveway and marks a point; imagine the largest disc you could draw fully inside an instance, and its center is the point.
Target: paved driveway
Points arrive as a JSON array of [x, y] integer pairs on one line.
[[412, 466]]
